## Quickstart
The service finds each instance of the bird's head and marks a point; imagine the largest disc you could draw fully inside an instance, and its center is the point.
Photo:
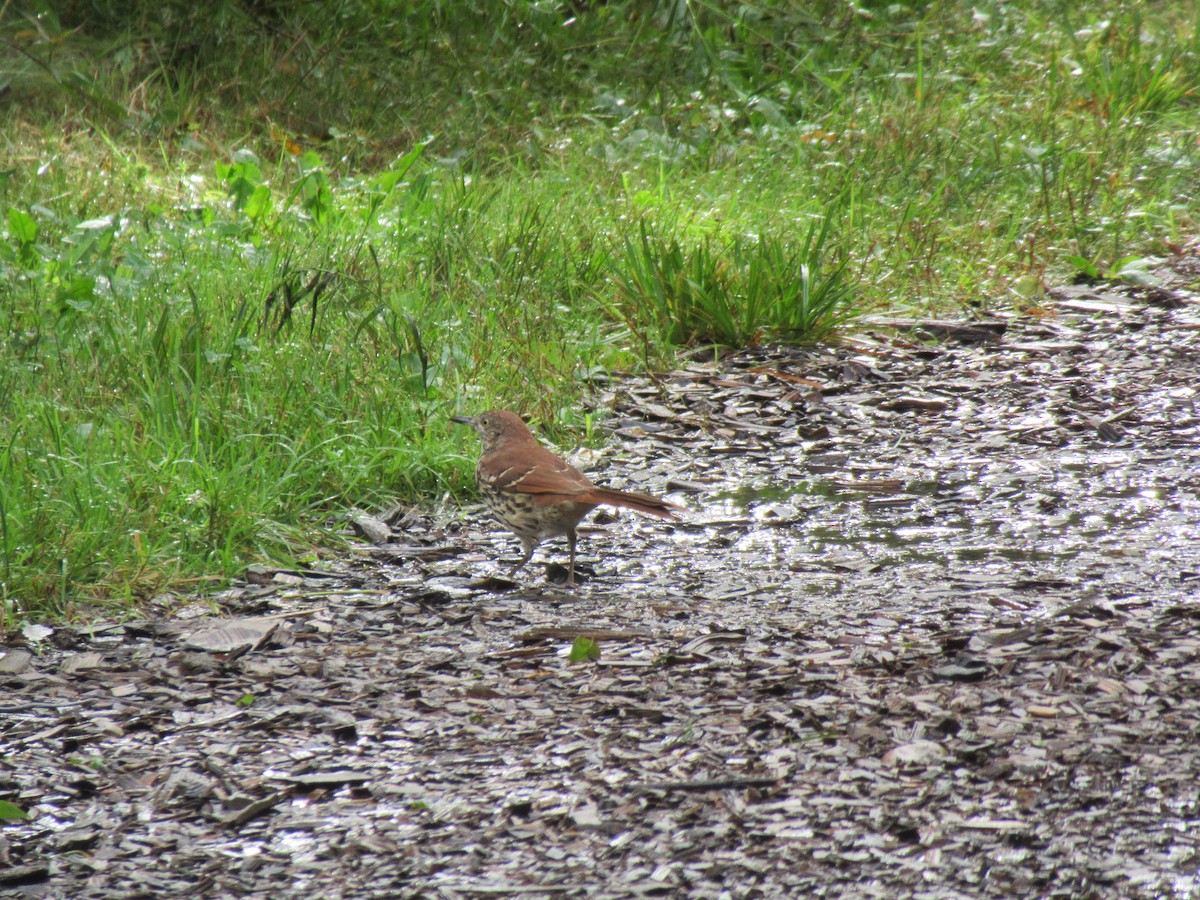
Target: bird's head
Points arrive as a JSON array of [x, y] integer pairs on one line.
[[496, 427]]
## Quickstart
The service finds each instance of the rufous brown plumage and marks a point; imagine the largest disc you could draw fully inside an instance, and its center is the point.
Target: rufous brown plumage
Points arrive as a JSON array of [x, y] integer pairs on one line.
[[537, 495]]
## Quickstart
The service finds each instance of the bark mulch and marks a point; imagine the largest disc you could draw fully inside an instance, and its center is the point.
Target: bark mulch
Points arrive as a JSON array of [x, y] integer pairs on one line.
[[930, 630]]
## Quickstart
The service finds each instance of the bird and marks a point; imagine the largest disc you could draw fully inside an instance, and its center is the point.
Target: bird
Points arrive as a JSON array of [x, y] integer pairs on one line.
[[536, 494]]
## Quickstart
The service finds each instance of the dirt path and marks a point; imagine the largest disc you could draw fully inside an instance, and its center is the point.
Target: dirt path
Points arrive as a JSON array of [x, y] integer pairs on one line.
[[931, 631]]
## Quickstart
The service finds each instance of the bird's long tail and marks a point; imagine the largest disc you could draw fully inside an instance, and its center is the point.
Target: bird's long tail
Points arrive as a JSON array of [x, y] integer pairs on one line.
[[651, 506]]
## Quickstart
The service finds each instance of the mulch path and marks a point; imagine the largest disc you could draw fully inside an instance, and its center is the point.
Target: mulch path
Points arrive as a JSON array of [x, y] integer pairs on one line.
[[931, 630]]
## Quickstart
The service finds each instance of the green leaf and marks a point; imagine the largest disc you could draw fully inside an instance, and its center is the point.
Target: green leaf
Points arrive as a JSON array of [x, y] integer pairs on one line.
[[1083, 266], [391, 178], [259, 202], [316, 197], [10, 812], [245, 701], [1134, 270], [584, 648], [310, 161], [22, 226], [77, 292]]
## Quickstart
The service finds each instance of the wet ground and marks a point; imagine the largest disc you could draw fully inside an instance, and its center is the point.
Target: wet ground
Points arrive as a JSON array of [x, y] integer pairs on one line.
[[930, 630]]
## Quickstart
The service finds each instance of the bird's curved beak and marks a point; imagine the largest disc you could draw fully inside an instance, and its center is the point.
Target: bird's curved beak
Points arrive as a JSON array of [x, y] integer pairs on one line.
[[465, 420]]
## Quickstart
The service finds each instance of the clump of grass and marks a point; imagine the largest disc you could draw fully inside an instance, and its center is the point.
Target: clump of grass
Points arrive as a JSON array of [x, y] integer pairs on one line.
[[733, 291]]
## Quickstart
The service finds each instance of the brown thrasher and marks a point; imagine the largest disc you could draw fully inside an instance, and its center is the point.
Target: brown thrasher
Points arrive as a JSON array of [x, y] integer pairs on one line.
[[536, 494]]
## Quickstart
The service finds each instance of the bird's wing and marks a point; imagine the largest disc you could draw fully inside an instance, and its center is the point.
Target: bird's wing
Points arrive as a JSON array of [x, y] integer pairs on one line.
[[545, 475]]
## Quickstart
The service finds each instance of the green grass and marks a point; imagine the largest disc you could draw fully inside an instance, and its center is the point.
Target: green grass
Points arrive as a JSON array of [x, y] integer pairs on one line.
[[253, 258], [731, 292]]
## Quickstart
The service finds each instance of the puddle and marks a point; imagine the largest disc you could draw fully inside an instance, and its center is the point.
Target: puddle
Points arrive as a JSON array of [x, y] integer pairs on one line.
[[913, 521]]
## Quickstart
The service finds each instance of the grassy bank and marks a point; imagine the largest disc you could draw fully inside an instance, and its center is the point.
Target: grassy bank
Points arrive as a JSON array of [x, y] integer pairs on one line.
[[254, 260]]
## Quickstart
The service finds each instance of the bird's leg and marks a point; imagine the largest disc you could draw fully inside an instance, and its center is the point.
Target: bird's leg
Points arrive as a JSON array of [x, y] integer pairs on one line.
[[528, 547], [571, 539]]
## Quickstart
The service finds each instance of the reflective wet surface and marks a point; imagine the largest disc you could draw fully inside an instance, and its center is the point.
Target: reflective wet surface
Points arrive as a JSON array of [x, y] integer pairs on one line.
[[930, 629]]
